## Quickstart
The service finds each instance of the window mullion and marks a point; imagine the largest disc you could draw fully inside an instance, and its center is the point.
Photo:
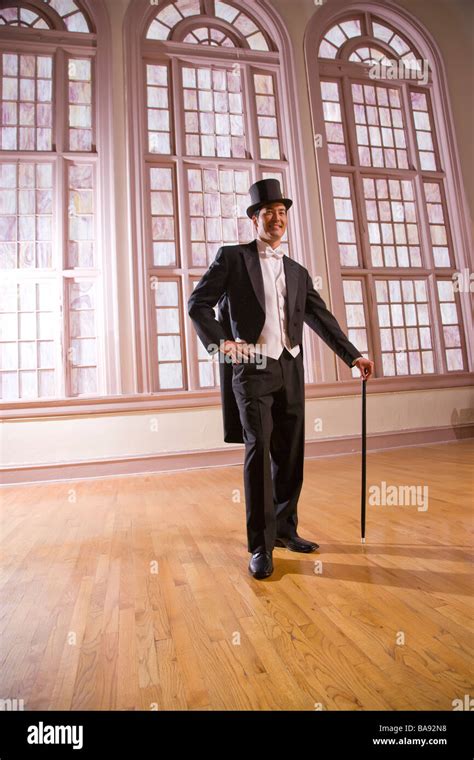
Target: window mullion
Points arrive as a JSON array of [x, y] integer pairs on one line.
[[423, 224], [414, 163], [349, 121], [61, 210], [61, 101], [367, 24], [177, 115], [182, 233], [251, 125], [350, 130], [189, 345], [438, 347], [373, 323]]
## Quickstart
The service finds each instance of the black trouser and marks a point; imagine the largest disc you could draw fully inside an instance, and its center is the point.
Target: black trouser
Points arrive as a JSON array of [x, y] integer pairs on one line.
[[271, 409]]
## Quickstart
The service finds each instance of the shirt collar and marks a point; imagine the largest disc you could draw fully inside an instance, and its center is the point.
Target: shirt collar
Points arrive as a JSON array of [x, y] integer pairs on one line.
[[265, 249]]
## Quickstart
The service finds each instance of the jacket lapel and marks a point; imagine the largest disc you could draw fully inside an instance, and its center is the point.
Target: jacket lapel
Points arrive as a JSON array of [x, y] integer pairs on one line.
[[292, 276], [252, 262]]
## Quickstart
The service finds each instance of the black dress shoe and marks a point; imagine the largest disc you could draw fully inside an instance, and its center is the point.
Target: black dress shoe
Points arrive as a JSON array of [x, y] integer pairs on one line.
[[297, 544], [261, 564]]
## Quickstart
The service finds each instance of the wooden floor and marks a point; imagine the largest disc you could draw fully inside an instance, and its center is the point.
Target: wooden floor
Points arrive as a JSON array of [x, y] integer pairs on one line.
[[133, 593]]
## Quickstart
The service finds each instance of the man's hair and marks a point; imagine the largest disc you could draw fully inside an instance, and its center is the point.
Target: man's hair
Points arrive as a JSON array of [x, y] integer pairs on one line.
[[257, 212]]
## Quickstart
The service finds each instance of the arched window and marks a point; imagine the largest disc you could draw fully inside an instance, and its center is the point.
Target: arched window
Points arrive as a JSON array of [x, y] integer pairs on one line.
[[209, 125], [229, 22], [50, 307], [49, 14], [388, 181]]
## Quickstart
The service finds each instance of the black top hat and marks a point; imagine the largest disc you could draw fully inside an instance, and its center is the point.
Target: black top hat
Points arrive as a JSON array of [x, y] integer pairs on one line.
[[266, 191]]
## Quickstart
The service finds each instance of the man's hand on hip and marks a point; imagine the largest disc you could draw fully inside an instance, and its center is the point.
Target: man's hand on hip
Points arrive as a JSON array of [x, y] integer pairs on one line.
[[239, 351]]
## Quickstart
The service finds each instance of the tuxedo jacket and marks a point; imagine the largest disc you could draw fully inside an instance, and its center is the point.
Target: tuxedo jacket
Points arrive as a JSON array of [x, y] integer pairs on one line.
[[234, 282]]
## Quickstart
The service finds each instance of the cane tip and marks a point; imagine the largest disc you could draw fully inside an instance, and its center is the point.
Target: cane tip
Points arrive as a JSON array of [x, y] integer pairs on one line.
[[362, 540]]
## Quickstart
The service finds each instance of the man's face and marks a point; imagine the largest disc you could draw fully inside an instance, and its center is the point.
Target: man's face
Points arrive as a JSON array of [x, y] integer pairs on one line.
[[270, 222]]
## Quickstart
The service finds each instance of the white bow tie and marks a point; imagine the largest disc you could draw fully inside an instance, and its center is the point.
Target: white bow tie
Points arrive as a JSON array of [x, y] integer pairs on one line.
[[275, 252]]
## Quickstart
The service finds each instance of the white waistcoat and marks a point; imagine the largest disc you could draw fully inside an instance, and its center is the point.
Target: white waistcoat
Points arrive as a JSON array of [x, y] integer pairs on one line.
[[274, 336]]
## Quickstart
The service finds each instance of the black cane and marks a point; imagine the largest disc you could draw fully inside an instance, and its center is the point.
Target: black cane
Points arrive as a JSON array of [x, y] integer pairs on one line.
[[364, 462]]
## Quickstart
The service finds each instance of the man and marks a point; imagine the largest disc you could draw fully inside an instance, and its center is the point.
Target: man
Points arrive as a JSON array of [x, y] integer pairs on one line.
[[264, 298]]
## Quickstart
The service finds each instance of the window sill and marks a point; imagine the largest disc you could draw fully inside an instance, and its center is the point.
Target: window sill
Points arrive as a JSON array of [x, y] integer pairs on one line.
[[157, 402]]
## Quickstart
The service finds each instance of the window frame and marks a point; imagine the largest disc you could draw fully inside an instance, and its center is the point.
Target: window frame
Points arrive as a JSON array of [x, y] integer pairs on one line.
[[347, 72], [178, 54], [63, 45]]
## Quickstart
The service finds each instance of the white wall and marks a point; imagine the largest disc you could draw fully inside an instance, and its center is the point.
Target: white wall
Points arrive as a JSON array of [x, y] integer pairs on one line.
[[141, 434]]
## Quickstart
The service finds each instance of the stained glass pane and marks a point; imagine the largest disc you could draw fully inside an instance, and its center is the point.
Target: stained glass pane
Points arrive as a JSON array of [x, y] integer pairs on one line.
[[392, 222], [208, 36], [354, 298], [80, 215], [451, 322], [29, 335], [243, 24], [21, 17], [26, 102], [162, 216], [438, 224], [74, 19], [165, 20], [423, 129], [214, 121], [405, 334], [167, 300], [335, 138], [345, 223], [26, 206], [218, 200], [381, 136], [80, 104], [82, 350], [337, 36], [158, 114], [267, 124]]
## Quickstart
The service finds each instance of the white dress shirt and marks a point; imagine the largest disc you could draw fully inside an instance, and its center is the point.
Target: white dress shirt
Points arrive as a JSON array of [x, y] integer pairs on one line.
[[274, 336]]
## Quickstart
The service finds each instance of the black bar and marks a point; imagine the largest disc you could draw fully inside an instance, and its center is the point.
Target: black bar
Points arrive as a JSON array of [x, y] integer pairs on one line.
[[137, 734]]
